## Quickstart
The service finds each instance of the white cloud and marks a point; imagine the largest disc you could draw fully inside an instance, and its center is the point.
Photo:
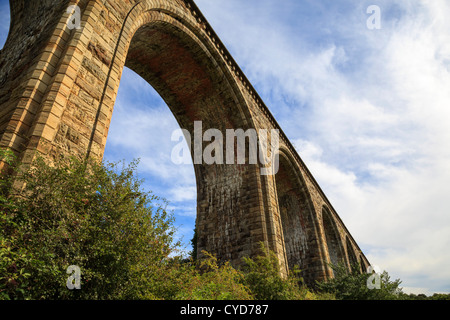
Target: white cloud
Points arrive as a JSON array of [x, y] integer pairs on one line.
[[184, 193]]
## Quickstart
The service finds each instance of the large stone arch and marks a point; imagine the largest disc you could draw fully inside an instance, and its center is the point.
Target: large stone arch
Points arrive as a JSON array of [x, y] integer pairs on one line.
[[333, 240], [58, 87], [167, 44], [351, 255], [200, 88], [298, 219]]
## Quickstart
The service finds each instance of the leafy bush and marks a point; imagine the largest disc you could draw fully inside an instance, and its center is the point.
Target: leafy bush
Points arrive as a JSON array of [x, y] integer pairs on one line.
[[262, 276], [258, 279], [435, 296], [211, 281], [96, 216], [13, 260], [352, 285], [86, 214]]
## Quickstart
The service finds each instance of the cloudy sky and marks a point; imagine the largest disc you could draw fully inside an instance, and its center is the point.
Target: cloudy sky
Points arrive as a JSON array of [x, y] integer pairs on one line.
[[367, 109]]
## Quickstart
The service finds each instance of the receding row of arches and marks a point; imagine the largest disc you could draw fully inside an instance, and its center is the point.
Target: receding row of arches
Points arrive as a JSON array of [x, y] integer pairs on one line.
[[312, 241], [340, 248]]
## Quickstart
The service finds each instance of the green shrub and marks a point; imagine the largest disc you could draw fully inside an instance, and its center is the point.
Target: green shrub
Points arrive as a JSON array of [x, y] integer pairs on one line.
[[262, 276], [13, 260], [96, 216], [86, 214], [352, 285], [211, 281]]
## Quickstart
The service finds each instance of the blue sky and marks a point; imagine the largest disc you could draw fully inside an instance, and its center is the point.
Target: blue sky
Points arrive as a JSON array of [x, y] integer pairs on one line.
[[367, 110]]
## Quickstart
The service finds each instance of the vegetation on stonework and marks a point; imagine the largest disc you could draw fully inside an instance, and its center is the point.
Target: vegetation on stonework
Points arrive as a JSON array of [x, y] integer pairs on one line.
[[97, 216]]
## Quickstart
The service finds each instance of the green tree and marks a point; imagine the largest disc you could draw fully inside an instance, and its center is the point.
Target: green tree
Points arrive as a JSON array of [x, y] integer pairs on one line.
[[87, 214], [352, 285], [13, 259]]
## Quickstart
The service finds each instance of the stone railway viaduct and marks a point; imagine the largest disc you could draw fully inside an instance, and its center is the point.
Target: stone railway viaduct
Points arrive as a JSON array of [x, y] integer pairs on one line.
[[58, 86]]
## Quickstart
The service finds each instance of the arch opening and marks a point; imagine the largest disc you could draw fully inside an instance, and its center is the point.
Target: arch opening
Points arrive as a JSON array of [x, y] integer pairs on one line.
[[296, 219], [141, 127], [363, 264], [332, 238], [353, 262], [185, 75], [195, 87]]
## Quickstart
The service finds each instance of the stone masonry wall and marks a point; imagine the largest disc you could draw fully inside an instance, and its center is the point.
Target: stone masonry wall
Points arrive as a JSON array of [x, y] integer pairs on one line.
[[57, 91]]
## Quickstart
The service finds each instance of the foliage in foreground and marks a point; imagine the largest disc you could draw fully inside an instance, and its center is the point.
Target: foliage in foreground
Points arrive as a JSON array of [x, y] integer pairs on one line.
[[353, 285], [97, 217], [89, 215], [262, 275]]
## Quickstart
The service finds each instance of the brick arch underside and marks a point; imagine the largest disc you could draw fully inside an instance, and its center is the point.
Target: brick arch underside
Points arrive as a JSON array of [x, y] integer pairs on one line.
[[184, 76], [196, 86]]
